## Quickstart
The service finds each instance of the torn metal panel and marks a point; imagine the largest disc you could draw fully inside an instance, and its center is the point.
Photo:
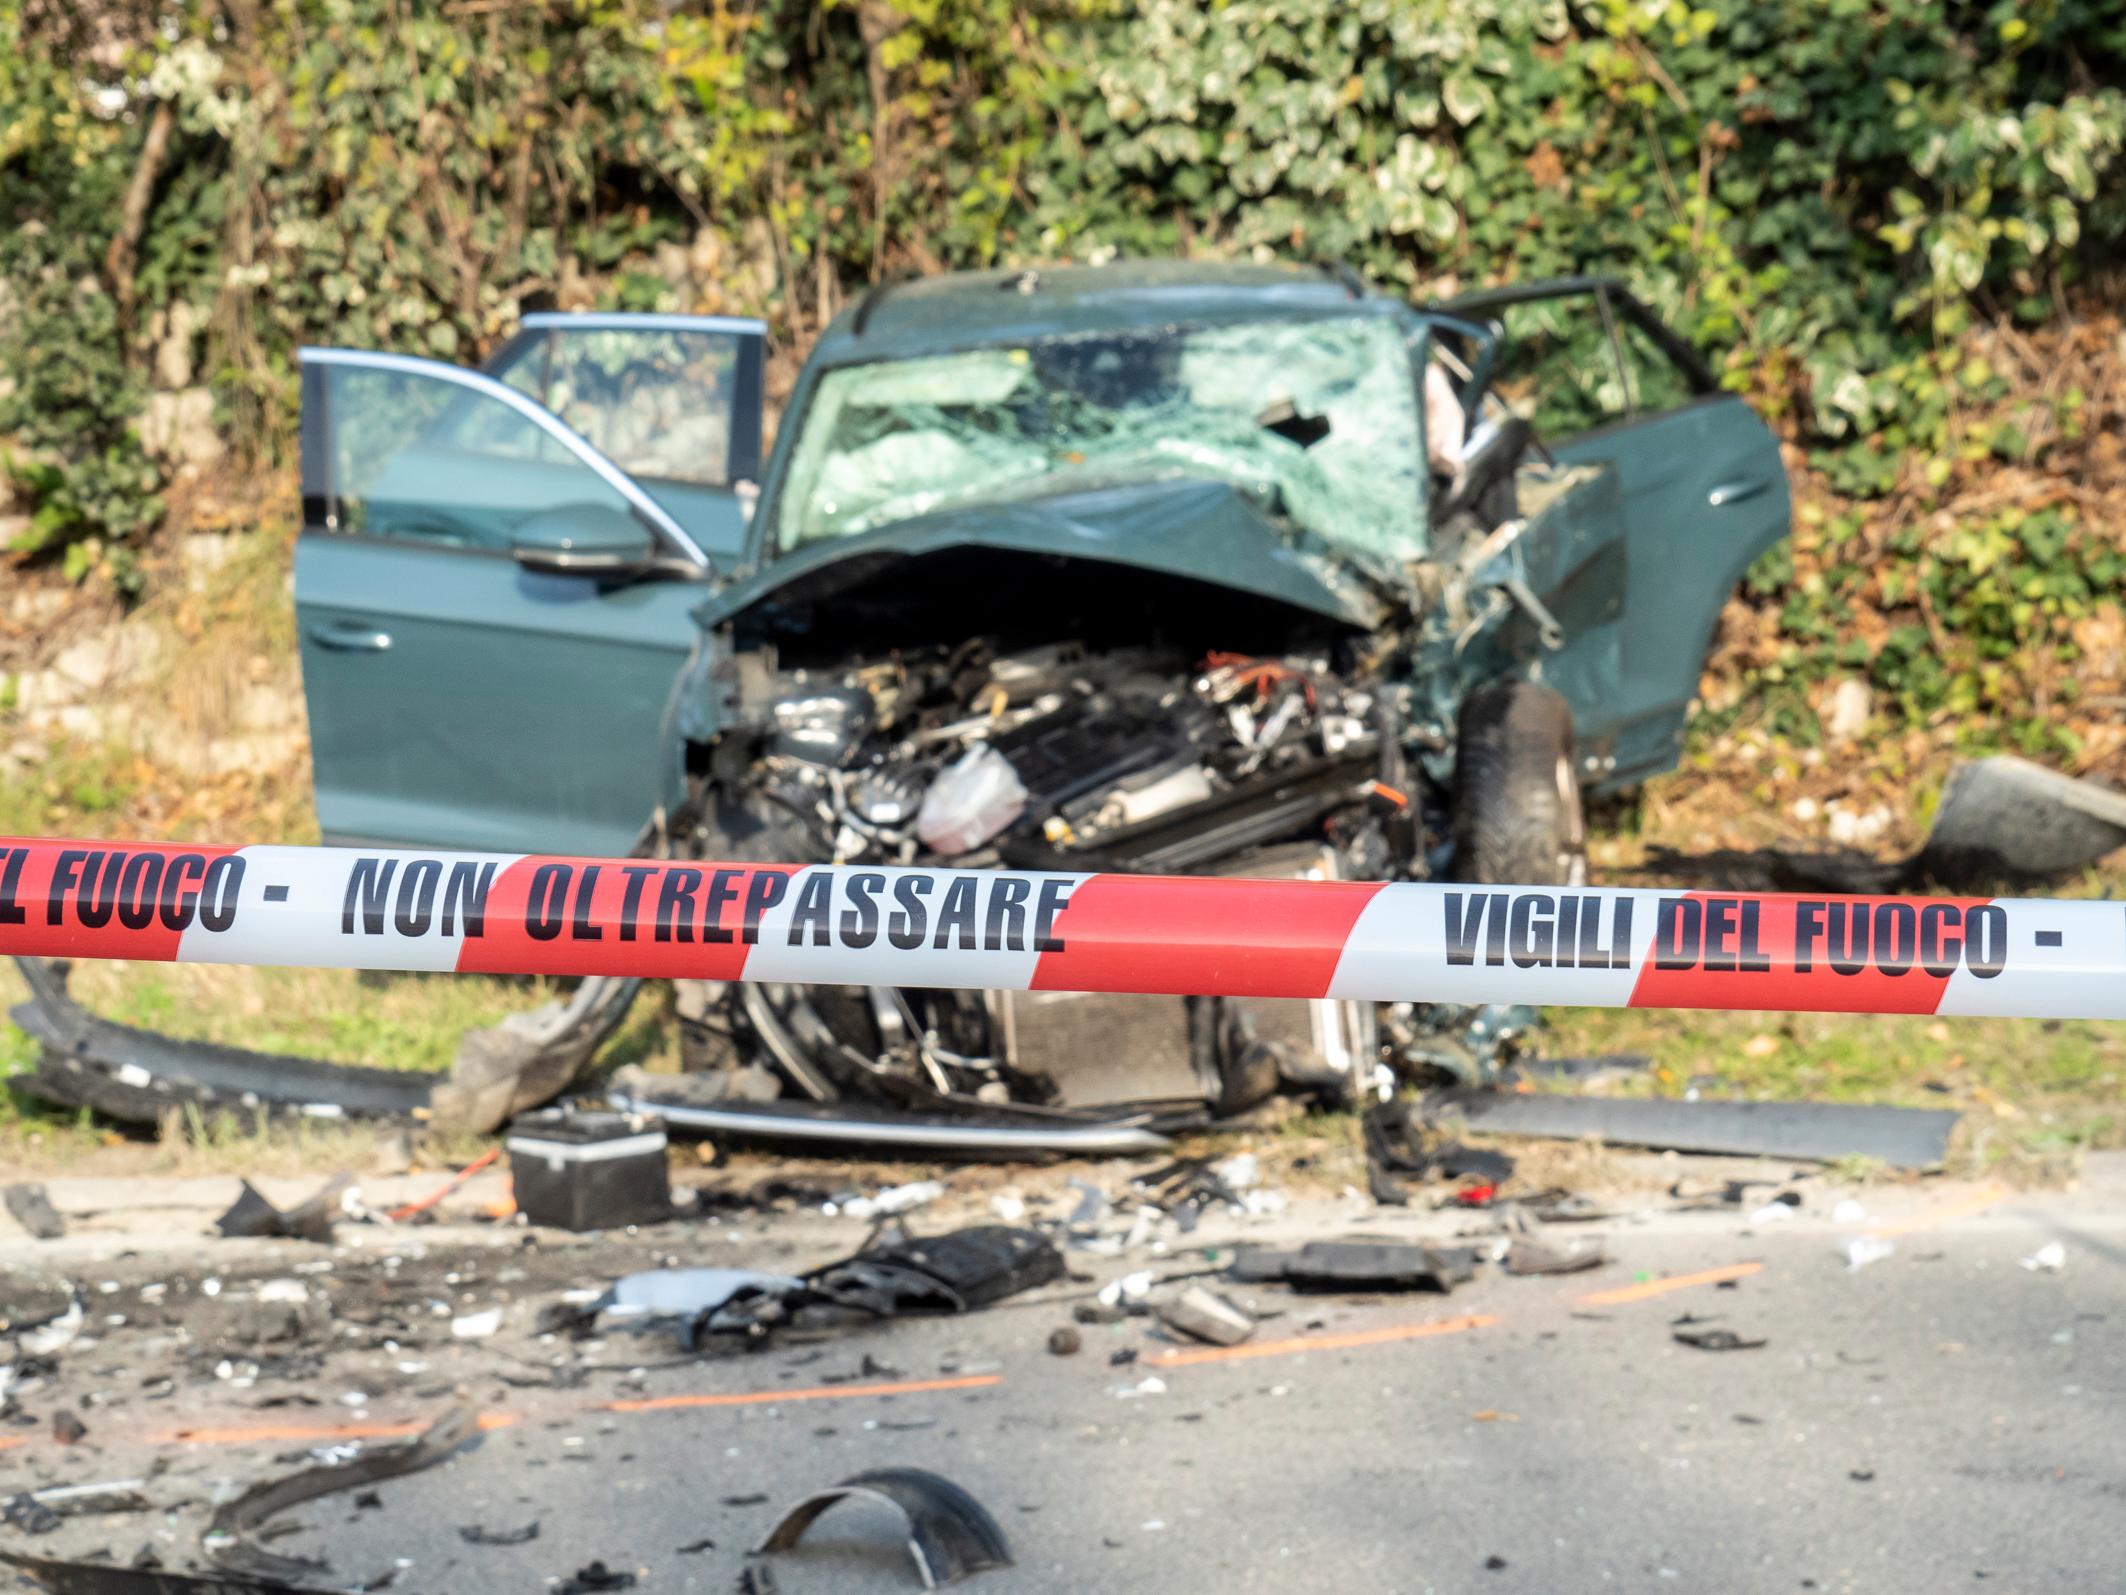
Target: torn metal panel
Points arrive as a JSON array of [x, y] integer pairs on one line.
[[863, 1124], [950, 1533], [230, 1542], [528, 1059], [1910, 1138]]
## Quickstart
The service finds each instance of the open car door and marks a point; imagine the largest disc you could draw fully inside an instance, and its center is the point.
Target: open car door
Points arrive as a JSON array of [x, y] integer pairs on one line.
[[1702, 489], [493, 615]]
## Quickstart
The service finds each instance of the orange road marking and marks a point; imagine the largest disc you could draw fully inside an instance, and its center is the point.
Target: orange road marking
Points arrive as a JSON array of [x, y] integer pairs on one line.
[[1977, 1202], [1646, 1290], [757, 1398], [1281, 1348], [260, 1434]]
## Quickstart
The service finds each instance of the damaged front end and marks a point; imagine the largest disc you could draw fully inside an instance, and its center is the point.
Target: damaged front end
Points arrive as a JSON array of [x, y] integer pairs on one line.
[[1144, 725]]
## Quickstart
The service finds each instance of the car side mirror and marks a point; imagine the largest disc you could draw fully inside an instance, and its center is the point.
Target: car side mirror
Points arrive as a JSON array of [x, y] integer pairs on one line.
[[584, 540]]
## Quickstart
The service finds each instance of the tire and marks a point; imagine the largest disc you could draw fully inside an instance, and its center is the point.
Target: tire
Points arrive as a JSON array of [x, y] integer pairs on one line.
[[1517, 813]]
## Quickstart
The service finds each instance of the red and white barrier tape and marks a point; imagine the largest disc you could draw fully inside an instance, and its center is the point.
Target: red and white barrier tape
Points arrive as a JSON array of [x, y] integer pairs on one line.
[[1014, 930]]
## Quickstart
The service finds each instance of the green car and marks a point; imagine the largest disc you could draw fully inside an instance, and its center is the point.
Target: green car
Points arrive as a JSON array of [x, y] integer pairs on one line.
[[1152, 566]]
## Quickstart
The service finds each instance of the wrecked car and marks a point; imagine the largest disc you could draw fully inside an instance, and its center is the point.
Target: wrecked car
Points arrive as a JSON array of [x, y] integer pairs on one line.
[[1153, 567]]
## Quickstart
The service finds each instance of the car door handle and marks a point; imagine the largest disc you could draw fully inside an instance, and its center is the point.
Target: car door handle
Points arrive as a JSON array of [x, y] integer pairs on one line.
[[1736, 491], [350, 637]]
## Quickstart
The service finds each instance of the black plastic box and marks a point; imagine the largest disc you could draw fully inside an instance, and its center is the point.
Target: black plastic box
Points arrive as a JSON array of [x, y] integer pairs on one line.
[[585, 1171]]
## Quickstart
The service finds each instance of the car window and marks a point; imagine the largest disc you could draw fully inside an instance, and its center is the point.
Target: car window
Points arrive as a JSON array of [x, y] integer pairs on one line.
[[415, 456]]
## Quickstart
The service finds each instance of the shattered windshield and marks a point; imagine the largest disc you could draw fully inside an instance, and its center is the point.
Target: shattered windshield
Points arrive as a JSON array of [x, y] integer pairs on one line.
[[1315, 419]]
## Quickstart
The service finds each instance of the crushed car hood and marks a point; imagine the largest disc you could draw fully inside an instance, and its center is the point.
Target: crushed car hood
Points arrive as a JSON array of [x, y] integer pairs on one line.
[[1203, 530]]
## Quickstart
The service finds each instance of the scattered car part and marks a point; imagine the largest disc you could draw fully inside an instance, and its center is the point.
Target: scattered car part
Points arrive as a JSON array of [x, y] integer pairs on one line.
[[86, 1500], [29, 1206], [25, 1514], [229, 1542], [1713, 1339], [1526, 1256], [136, 1075], [950, 1534], [699, 1301], [526, 1060], [1911, 1138], [252, 1216], [475, 1534], [971, 1135], [579, 1171], [1204, 1315], [1358, 1265]]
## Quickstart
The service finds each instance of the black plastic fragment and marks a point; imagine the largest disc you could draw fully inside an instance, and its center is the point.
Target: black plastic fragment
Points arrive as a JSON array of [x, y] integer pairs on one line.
[[252, 1216], [945, 1274], [1715, 1340], [950, 1533]]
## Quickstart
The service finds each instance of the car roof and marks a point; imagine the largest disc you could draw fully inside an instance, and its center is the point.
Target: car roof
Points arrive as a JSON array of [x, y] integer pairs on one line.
[[970, 309]]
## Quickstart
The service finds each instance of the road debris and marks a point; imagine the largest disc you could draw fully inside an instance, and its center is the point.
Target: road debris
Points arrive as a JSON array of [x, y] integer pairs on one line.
[[1064, 1342], [1403, 1144], [1865, 1249], [595, 1577], [68, 1429], [890, 1202], [230, 1543], [32, 1209], [695, 1302], [474, 1534], [950, 1534], [1202, 1314], [2049, 1258]]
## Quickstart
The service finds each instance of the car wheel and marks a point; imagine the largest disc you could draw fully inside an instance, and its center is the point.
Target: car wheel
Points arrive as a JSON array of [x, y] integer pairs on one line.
[[1517, 813]]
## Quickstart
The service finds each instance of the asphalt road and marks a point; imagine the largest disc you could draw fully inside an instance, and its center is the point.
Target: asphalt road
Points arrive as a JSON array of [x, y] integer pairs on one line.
[[1940, 1419]]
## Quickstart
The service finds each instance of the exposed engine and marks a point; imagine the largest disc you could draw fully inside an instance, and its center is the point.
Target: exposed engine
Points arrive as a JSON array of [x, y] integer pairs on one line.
[[1060, 756]]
